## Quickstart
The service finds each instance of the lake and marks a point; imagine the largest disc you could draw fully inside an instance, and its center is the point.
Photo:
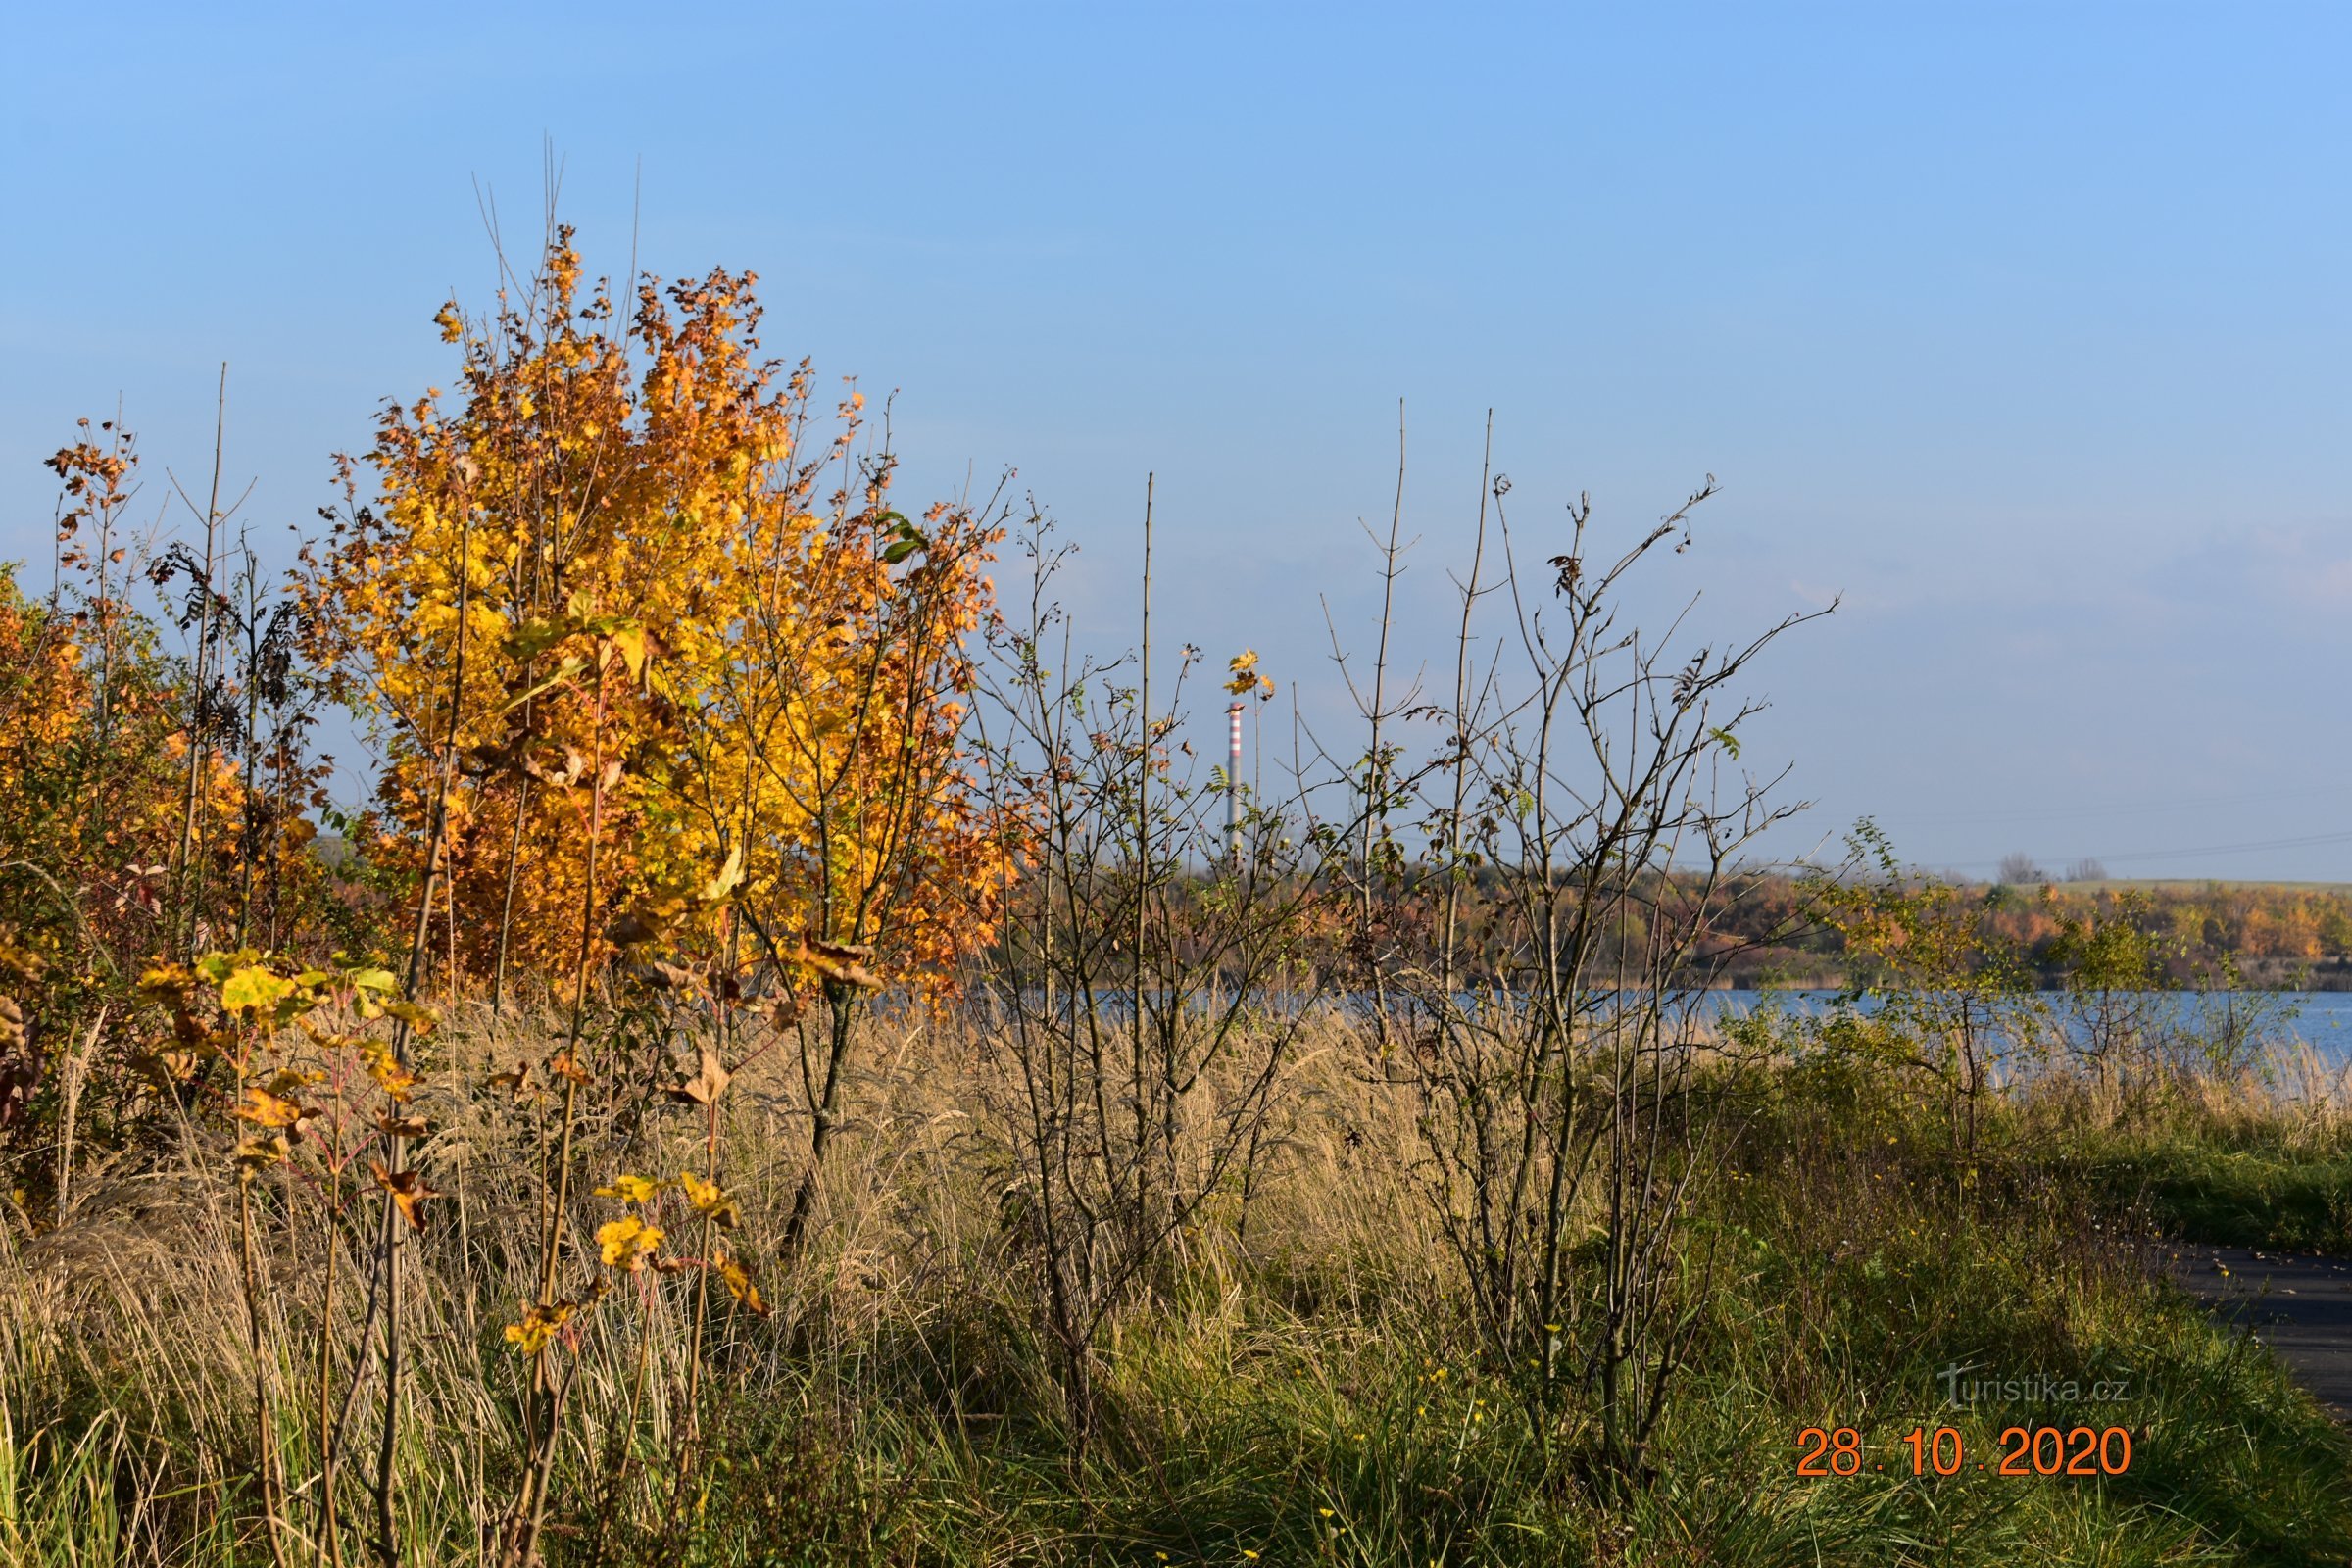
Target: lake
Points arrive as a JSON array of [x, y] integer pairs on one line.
[[2321, 1019]]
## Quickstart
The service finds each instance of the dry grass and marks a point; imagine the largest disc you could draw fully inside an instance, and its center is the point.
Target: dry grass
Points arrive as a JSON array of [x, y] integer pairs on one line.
[[900, 1406]]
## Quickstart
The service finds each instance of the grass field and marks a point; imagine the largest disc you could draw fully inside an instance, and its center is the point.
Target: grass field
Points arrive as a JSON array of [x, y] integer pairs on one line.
[[1303, 1390]]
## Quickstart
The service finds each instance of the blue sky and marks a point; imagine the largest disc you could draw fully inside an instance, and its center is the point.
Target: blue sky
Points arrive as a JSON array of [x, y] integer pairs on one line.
[[2023, 328]]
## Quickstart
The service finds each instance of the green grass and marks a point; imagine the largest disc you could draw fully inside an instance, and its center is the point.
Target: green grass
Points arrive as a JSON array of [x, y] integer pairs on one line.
[[2250, 1198], [1320, 1400], [1846, 1267]]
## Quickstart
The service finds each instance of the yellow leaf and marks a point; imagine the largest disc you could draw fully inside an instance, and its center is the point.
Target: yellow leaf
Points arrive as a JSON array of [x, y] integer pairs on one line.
[[626, 1242], [167, 984], [740, 1285], [630, 1188], [419, 1018], [254, 1152], [729, 878], [538, 1326], [391, 1075], [629, 641], [710, 1199], [1244, 666], [379, 981]]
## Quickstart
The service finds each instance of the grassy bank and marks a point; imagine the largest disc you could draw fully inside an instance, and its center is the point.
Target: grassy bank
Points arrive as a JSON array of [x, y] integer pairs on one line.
[[1304, 1387]]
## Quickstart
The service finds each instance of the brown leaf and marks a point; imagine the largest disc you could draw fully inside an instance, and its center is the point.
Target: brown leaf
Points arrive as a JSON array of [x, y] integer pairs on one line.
[[402, 1126], [564, 1064], [516, 1083], [574, 764], [844, 963], [168, 1070], [506, 759], [707, 1085], [660, 974], [632, 930]]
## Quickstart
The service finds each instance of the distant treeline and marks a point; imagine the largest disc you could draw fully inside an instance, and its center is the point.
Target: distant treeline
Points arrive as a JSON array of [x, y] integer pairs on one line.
[[1831, 928], [2184, 933]]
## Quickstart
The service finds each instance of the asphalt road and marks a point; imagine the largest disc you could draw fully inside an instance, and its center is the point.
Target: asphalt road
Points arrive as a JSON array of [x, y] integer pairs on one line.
[[2299, 1306]]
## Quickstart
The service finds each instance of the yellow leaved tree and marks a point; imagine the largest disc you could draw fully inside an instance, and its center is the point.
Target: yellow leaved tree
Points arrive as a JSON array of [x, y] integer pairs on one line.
[[660, 677], [644, 652]]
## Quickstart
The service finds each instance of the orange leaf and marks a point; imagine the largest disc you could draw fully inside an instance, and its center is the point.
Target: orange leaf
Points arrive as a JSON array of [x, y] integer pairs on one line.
[[269, 1110], [408, 1190]]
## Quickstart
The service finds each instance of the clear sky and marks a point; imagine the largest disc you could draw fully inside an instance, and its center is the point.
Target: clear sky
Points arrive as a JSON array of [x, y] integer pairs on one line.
[[2023, 328]]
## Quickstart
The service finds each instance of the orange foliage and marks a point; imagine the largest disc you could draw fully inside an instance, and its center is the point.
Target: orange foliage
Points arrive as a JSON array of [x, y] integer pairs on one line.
[[607, 618]]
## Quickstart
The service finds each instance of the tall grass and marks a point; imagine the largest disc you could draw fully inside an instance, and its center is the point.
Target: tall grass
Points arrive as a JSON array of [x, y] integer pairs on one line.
[[1316, 1391]]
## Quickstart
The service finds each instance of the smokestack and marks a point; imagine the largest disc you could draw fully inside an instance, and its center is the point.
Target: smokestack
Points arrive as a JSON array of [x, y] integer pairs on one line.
[[1233, 786]]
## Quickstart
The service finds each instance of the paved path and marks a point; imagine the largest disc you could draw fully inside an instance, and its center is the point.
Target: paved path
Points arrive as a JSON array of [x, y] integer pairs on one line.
[[2299, 1306]]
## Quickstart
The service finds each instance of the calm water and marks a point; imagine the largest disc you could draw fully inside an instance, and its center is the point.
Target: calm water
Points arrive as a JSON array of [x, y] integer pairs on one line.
[[2321, 1020]]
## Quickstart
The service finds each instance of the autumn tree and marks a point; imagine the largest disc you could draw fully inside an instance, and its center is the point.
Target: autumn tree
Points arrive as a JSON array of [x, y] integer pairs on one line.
[[662, 677], [108, 781], [683, 623]]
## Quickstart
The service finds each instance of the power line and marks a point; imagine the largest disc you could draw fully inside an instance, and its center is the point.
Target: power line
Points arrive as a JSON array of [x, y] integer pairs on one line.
[[2140, 809]]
